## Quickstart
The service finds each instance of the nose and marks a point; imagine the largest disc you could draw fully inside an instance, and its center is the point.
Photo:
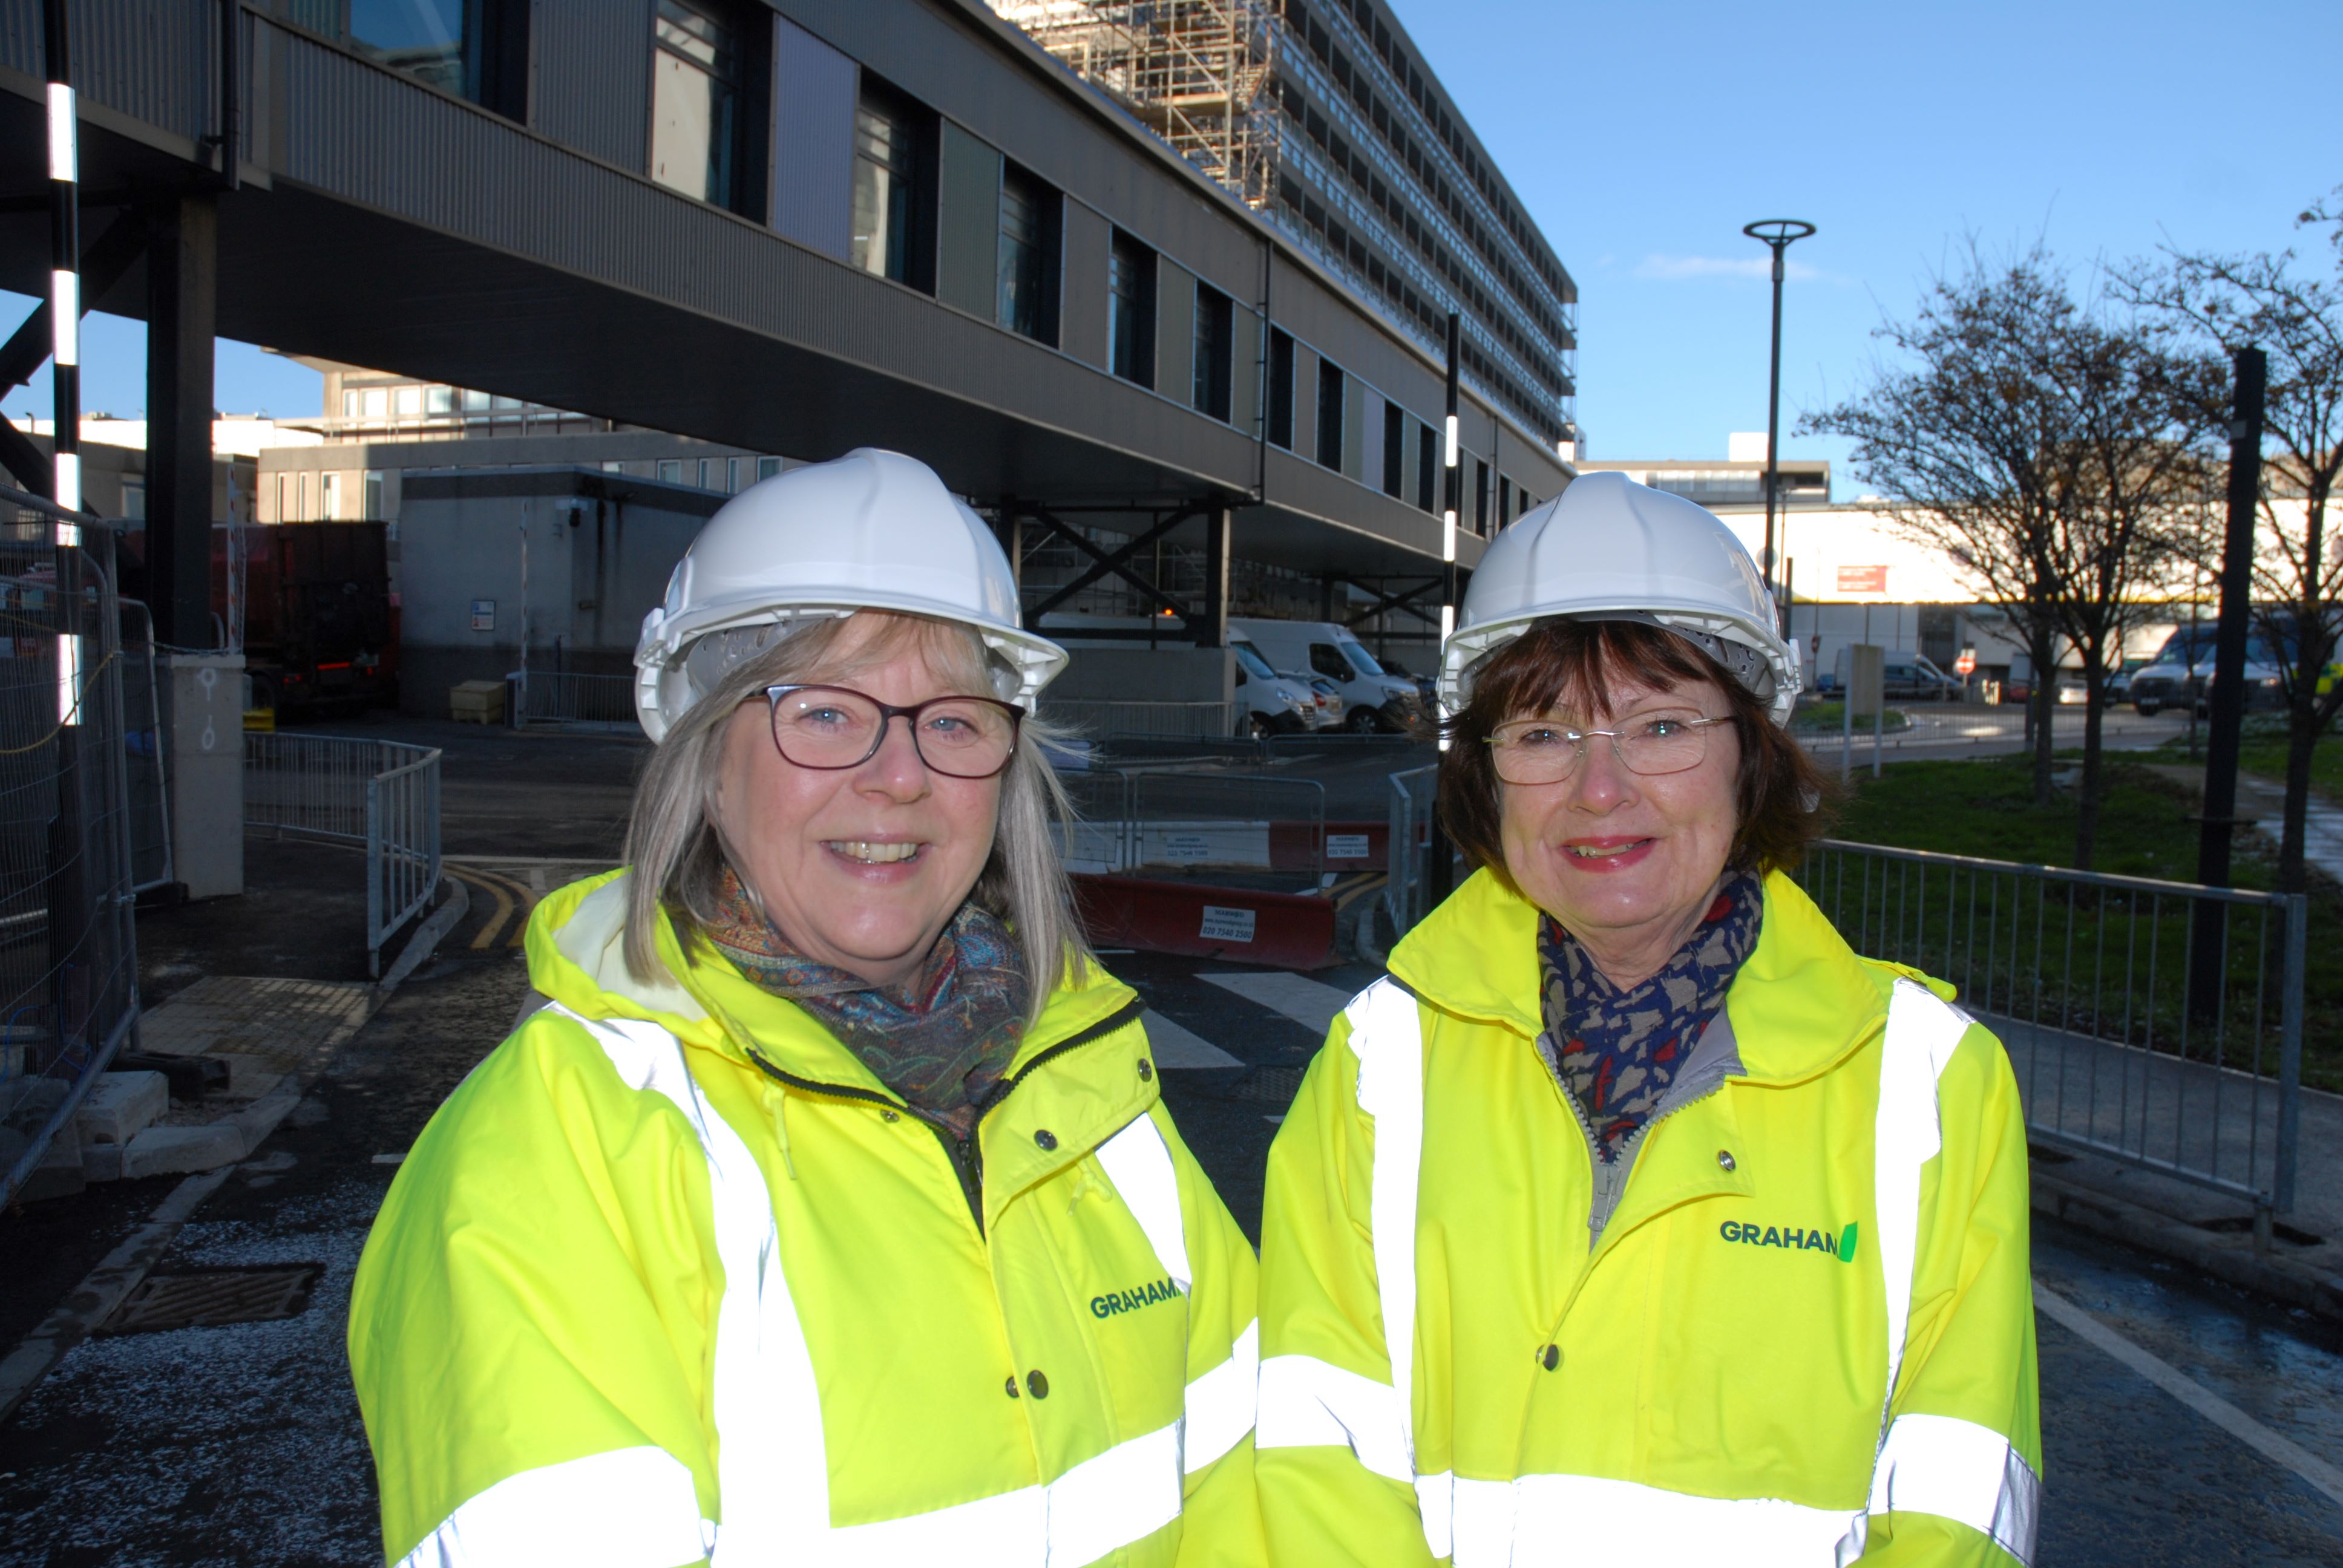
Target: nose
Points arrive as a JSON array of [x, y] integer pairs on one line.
[[1603, 783], [896, 770]]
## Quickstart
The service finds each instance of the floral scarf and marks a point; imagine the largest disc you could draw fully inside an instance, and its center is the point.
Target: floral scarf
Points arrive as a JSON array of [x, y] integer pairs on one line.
[[1619, 1051], [941, 1042]]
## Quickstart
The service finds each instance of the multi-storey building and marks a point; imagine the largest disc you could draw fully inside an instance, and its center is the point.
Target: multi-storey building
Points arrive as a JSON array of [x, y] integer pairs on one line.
[[1323, 114]]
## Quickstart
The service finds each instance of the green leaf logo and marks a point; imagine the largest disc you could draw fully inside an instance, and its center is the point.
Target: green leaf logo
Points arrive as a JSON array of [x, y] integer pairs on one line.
[[1846, 1240]]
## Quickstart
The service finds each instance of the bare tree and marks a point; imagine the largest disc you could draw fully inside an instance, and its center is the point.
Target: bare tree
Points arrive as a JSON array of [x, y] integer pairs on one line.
[[2226, 303], [2044, 444]]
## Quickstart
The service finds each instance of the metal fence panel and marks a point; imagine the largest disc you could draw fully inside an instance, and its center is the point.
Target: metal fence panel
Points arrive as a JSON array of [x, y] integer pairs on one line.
[[68, 947], [1223, 826], [1089, 717], [566, 697], [2086, 980], [381, 794], [1410, 847], [149, 797]]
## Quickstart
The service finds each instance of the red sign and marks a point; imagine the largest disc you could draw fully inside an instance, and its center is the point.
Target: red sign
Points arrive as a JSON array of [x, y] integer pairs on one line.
[[1966, 664], [1863, 579]]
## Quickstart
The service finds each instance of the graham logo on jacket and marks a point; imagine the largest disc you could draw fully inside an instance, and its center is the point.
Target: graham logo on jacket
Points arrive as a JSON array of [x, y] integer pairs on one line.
[[1130, 1300], [1841, 1246]]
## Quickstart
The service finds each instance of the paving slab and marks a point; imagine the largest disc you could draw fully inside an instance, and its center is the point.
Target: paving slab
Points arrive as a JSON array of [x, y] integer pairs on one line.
[[171, 1150], [121, 1105]]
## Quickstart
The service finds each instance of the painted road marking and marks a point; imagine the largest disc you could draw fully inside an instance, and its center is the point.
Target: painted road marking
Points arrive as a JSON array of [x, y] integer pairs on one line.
[[1176, 1047], [2269, 1444], [1309, 1002]]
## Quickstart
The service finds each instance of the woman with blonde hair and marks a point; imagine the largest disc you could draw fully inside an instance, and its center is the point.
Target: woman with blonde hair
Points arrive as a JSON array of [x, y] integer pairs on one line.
[[826, 1210]]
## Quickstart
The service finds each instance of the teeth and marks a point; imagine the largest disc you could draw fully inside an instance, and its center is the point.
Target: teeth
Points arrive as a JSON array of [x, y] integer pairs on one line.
[[1590, 852], [872, 854]]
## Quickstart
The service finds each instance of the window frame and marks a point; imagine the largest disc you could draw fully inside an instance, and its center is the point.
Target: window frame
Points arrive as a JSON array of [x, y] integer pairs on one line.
[[1213, 353], [922, 139], [1278, 406], [746, 158], [1130, 357], [1048, 205], [1329, 450]]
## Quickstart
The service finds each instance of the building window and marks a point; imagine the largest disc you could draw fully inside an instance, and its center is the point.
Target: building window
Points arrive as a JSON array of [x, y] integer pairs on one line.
[[329, 504], [133, 500], [374, 402], [475, 49], [406, 401], [1480, 497], [373, 495], [670, 470], [349, 405], [768, 466], [1131, 309], [1427, 464], [705, 92], [1504, 501], [473, 402], [1030, 226], [439, 399], [1394, 450], [894, 194], [1330, 414], [1215, 348], [1280, 389]]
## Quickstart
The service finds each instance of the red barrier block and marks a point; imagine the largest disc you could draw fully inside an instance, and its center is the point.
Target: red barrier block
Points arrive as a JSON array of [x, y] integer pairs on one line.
[[1350, 847], [1285, 930]]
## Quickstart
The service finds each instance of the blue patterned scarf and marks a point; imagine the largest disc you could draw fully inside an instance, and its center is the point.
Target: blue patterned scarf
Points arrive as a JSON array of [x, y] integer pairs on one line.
[[1620, 1049], [941, 1042]]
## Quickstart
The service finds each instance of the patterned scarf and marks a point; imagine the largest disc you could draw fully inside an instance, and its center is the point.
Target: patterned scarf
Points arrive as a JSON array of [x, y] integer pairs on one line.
[[1621, 1050], [942, 1042]]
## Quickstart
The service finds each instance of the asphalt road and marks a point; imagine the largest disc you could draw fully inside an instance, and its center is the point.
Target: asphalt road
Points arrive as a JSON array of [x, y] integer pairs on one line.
[[241, 1445]]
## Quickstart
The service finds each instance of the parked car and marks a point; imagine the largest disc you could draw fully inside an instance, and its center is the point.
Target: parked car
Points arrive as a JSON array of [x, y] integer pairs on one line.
[[2181, 673], [1425, 689], [1376, 699], [1327, 697], [1269, 703], [1907, 676]]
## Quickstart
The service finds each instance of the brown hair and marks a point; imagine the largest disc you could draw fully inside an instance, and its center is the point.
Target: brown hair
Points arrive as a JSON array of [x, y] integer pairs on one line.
[[1781, 796]]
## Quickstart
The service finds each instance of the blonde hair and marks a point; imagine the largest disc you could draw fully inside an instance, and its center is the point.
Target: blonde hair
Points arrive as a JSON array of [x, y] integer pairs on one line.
[[679, 856]]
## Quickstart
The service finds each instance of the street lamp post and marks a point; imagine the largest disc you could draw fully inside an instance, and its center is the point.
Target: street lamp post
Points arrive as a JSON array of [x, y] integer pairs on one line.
[[1780, 234]]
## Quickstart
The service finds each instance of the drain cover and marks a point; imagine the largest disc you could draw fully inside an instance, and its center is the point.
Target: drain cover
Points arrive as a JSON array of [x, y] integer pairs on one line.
[[207, 1298]]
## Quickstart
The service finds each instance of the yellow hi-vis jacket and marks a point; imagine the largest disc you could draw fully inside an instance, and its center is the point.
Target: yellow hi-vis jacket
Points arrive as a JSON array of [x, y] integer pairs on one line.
[[1796, 1330], [672, 1279]]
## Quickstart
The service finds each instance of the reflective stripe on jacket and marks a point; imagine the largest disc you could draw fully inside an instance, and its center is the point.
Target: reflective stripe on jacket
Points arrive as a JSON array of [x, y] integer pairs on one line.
[[1705, 1375], [672, 1278]]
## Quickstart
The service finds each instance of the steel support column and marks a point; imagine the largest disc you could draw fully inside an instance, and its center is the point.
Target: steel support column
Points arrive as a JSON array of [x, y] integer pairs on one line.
[[182, 300], [1220, 532]]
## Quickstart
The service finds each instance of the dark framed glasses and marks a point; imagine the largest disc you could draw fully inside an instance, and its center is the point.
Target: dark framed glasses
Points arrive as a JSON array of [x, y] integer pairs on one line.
[[833, 727], [1545, 751]]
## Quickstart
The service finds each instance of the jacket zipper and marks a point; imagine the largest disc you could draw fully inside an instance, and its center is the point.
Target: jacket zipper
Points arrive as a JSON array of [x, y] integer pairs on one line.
[[965, 1155]]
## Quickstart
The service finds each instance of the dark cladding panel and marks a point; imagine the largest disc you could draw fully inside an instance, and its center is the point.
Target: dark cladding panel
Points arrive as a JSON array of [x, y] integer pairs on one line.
[[1082, 333], [593, 78], [1245, 371], [967, 270], [814, 87]]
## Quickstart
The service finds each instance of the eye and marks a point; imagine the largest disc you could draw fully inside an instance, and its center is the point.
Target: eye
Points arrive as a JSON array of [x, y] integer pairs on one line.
[[1544, 737]]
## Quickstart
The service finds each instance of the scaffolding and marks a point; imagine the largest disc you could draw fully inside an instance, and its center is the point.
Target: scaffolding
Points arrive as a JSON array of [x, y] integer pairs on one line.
[[1196, 72]]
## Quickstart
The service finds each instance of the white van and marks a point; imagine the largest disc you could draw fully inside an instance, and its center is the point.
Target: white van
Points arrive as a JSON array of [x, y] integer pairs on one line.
[[1269, 703], [1376, 699]]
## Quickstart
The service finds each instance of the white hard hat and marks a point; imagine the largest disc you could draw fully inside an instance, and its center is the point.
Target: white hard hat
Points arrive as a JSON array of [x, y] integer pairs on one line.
[[872, 530], [1608, 548]]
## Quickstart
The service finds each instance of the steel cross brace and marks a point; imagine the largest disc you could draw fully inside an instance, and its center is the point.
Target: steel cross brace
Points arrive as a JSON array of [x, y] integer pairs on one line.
[[1390, 601], [102, 266], [1116, 564]]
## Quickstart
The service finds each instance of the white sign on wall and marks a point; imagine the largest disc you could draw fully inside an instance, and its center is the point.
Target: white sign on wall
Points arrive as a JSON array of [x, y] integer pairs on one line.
[[1227, 925], [1346, 846]]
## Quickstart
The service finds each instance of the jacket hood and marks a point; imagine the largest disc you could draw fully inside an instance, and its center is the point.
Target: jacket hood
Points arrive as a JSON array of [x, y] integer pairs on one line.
[[577, 958], [1802, 1001]]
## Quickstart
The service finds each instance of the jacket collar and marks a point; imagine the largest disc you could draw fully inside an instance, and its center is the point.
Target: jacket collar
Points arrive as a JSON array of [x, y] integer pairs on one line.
[[1802, 1001], [576, 957]]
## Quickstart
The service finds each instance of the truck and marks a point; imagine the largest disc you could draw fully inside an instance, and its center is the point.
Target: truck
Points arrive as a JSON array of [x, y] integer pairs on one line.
[[320, 632]]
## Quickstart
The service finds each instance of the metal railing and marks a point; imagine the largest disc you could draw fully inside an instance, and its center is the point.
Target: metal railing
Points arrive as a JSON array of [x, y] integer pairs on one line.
[[1097, 716], [68, 947], [382, 795], [2086, 980], [1410, 847], [568, 698], [144, 764], [1949, 726]]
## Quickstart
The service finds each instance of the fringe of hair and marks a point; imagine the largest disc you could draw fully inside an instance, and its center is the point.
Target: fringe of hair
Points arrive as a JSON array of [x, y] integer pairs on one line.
[[679, 858]]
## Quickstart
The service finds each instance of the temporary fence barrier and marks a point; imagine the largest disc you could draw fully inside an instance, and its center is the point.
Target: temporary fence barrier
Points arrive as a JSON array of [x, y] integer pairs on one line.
[[2086, 978], [1101, 717], [1949, 727], [383, 794], [68, 947], [571, 699], [149, 794], [1409, 846]]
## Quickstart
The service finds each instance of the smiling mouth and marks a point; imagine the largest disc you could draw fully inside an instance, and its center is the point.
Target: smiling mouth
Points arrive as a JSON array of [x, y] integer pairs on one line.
[[870, 854], [1604, 851]]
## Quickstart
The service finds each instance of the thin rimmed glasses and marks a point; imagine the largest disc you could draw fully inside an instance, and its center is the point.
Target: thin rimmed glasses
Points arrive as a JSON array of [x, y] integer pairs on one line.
[[834, 726], [1543, 751]]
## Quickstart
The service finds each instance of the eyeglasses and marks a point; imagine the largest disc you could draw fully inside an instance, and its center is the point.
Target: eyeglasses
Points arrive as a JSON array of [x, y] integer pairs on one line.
[[833, 727], [1541, 752]]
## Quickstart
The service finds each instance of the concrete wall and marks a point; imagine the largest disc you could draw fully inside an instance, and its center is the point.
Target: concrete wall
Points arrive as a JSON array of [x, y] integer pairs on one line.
[[570, 560], [1147, 675]]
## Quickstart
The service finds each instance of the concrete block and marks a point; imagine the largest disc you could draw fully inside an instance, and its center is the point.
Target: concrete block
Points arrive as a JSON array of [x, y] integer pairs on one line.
[[101, 1161], [121, 1105], [204, 715], [164, 1150], [60, 1174]]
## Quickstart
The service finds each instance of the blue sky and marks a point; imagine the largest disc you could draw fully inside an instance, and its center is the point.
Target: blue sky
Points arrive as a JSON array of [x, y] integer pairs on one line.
[[1642, 136]]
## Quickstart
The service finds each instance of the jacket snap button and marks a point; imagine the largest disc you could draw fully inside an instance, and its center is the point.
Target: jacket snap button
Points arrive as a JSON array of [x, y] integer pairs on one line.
[[1550, 1357], [1146, 1070], [1008, 1385], [889, 1116], [1036, 1384], [1046, 1139], [1725, 1158]]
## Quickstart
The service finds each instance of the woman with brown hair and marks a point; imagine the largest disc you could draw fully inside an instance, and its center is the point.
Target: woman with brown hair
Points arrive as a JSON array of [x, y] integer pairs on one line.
[[1633, 1217]]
